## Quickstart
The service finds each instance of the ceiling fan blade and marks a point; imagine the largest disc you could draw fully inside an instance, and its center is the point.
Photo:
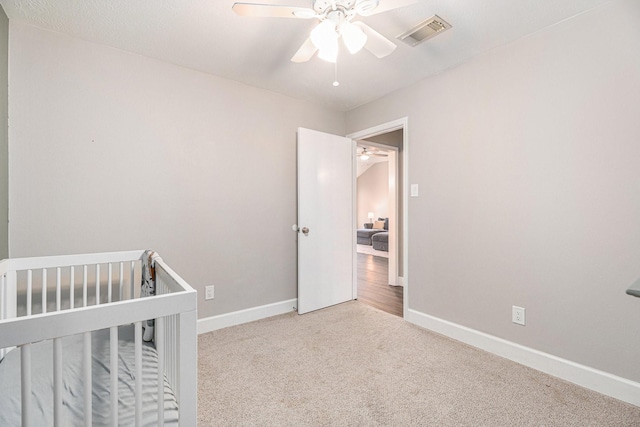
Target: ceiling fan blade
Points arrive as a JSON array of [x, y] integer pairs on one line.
[[386, 5], [272, 11], [306, 52], [377, 44]]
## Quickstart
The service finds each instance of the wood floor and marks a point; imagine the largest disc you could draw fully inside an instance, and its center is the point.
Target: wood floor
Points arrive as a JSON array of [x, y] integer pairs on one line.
[[373, 285]]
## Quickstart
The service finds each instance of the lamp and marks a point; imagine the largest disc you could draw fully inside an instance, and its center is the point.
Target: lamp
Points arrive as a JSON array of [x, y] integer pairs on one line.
[[370, 216]]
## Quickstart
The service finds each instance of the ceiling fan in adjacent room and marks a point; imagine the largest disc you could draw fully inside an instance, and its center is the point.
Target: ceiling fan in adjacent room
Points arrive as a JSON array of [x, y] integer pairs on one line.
[[364, 153], [336, 22]]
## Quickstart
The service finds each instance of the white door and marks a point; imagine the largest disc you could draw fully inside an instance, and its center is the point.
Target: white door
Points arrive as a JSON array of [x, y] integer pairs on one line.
[[325, 220]]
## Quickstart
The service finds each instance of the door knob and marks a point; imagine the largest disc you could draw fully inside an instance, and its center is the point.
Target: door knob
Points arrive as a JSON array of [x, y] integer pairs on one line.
[[304, 230]]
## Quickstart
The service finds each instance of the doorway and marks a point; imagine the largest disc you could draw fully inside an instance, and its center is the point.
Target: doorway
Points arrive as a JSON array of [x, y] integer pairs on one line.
[[379, 206]]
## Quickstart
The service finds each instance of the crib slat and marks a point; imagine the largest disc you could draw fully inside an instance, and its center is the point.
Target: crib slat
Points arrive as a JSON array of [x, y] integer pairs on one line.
[[172, 354], [72, 284], [132, 272], [113, 345], [44, 290], [29, 291], [84, 285], [109, 283], [167, 350], [160, 347], [88, 384], [121, 281], [97, 284], [138, 357], [25, 383], [57, 382], [4, 298], [58, 289]]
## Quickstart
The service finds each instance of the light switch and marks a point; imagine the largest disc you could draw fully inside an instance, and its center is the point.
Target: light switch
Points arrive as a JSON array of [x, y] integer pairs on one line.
[[414, 190]]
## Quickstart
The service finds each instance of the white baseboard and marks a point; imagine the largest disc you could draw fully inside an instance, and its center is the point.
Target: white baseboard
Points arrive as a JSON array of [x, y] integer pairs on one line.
[[600, 381], [399, 282], [213, 323]]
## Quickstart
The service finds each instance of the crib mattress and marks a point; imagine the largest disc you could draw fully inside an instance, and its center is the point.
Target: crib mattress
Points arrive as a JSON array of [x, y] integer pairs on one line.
[[73, 400]]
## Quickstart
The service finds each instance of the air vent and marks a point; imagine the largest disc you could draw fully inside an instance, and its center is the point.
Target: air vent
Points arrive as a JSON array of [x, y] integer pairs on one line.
[[424, 31]]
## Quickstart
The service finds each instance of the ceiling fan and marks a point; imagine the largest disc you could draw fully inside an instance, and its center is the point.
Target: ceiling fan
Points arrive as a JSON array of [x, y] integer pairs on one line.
[[365, 153], [336, 22]]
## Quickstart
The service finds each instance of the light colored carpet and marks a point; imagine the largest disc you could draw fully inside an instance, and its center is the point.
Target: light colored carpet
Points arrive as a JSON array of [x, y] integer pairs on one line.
[[352, 365], [366, 249]]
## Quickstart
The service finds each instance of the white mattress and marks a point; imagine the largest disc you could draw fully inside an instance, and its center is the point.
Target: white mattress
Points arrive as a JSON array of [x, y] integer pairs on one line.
[[73, 401]]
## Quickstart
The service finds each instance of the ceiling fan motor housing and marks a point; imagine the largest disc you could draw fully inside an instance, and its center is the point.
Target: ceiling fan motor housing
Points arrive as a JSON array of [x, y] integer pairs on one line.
[[361, 7], [323, 6], [364, 7]]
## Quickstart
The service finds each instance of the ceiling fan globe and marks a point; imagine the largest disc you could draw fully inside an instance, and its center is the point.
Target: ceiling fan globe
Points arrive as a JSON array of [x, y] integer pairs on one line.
[[329, 53], [353, 37], [325, 37]]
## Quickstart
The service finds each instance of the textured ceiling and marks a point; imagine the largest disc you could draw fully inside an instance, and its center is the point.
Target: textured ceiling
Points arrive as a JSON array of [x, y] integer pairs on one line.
[[206, 35]]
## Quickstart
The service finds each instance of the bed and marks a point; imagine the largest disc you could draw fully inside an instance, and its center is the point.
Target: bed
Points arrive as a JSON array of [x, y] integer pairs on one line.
[[72, 349]]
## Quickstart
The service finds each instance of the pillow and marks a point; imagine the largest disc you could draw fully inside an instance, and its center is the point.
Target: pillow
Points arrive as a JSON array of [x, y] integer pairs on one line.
[[378, 225], [386, 223]]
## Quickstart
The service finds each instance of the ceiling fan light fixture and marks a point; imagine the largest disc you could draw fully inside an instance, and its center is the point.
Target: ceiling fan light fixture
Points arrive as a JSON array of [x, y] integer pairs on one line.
[[329, 53], [324, 35], [353, 36], [364, 156]]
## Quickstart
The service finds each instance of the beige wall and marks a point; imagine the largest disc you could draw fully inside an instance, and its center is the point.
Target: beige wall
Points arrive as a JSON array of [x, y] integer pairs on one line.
[[4, 137], [373, 193], [529, 196], [114, 151]]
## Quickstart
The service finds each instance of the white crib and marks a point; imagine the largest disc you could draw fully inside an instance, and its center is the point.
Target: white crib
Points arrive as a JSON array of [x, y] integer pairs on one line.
[[78, 312]]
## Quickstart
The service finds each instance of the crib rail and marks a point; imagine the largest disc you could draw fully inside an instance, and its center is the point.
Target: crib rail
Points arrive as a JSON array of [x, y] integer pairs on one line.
[[94, 292], [16, 264], [38, 285], [38, 327]]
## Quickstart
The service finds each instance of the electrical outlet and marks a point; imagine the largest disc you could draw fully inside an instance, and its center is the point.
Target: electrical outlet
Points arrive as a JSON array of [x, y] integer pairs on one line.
[[209, 292], [517, 315]]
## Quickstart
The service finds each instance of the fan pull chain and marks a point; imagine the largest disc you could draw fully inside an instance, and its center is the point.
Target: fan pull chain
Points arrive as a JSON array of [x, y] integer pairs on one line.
[[336, 83]]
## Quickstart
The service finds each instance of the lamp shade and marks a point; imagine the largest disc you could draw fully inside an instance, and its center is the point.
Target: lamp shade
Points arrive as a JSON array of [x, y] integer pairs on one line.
[[370, 215]]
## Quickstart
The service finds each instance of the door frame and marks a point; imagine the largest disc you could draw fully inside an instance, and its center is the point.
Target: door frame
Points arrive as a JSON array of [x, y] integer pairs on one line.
[[402, 123]]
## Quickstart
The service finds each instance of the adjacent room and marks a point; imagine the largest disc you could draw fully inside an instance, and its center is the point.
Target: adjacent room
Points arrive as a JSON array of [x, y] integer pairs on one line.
[[378, 211], [192, 193]]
